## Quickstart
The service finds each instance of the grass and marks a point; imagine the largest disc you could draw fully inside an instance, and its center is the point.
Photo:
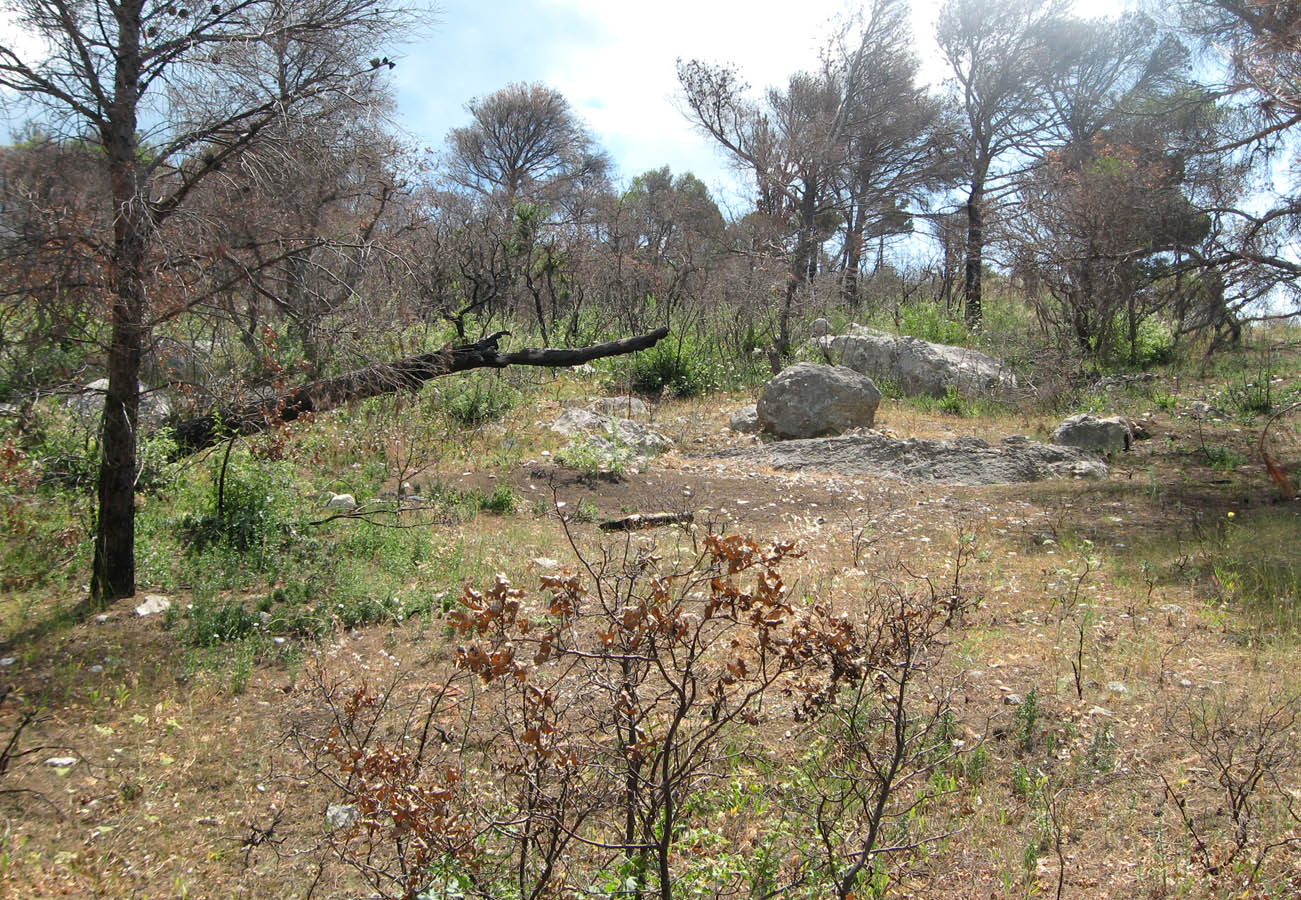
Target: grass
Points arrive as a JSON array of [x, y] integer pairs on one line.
[[193, 720]]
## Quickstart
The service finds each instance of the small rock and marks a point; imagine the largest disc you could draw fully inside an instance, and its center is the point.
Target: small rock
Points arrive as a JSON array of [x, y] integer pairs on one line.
[[96, 670], [1012, 700], [341, 501], [1117, 687], [819, 328], [8, 661], [1102, 711], [207, 820], [61, 762], [1173, 609], [1184, 682], [341, 815], [102, 618], [154, 603], [745, 420], [264, 617], [1200, 409], [1092, 433], [543, 562]]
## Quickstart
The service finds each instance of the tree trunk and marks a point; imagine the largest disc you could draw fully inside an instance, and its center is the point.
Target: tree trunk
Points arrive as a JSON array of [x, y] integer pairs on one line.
[[113, 572], [386, 378], [975, 252]]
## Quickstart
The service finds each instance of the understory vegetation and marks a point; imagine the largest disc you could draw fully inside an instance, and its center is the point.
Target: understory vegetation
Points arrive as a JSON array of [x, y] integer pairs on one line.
[[391, 523], [457, 687]]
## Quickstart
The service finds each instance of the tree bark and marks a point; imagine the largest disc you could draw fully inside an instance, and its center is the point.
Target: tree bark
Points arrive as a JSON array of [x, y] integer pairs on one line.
[[975, 256], [113, 570], [386, 378]]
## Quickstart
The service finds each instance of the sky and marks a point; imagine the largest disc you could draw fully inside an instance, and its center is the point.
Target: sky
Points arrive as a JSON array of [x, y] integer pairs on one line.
[[614, 61]]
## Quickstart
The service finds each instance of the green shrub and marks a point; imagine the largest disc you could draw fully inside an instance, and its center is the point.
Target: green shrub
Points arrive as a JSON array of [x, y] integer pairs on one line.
[[501, 501], [592, 460], [478, 399], [675, 367], [930, 322], [214, 621], [246, 507]]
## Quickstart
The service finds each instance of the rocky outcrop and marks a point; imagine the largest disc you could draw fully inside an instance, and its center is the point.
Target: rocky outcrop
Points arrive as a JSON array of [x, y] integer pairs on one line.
[[637, 438], [810, 400], [916, 366], [1088, 432], [964, 461], [627, 406]]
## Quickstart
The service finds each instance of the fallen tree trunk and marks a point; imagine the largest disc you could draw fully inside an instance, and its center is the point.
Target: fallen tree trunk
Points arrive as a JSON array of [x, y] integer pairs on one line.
[[195, 434], [642, 521]]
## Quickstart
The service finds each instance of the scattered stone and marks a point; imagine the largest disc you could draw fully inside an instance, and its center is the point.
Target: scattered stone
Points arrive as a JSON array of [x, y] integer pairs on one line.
[[264, 618], [1142, 431], [964, 460], [819, 328], [1117, 687], [8, 661], [1102, 711], [61, 762], [154, 603], [745, 420], [627, 406], [96, 670], [88, 406], [344, 502], [1200, 409], [1013, 700], [809, 400], [341, 815], [1184, 682], [1111, 382], [640, 439], [917, 366], [1173, 609], [208, 820], [545, 563], [1092, 433], [102, 618]]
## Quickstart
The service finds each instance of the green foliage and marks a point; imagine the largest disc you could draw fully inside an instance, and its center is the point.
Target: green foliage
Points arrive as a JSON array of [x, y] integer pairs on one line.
[[1154, 343], [477, 399], [213, 621], [1026, 720], [1253, 564], [1222, 458], [594, 460], [247, 508], [931, 322], [677, 367], [68, 456], [1100, 757]]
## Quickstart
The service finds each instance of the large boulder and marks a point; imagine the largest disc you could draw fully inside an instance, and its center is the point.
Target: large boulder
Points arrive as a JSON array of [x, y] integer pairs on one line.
[[88, 405], [917, 366], [1092, 433], [810, 400], [639, 439]]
